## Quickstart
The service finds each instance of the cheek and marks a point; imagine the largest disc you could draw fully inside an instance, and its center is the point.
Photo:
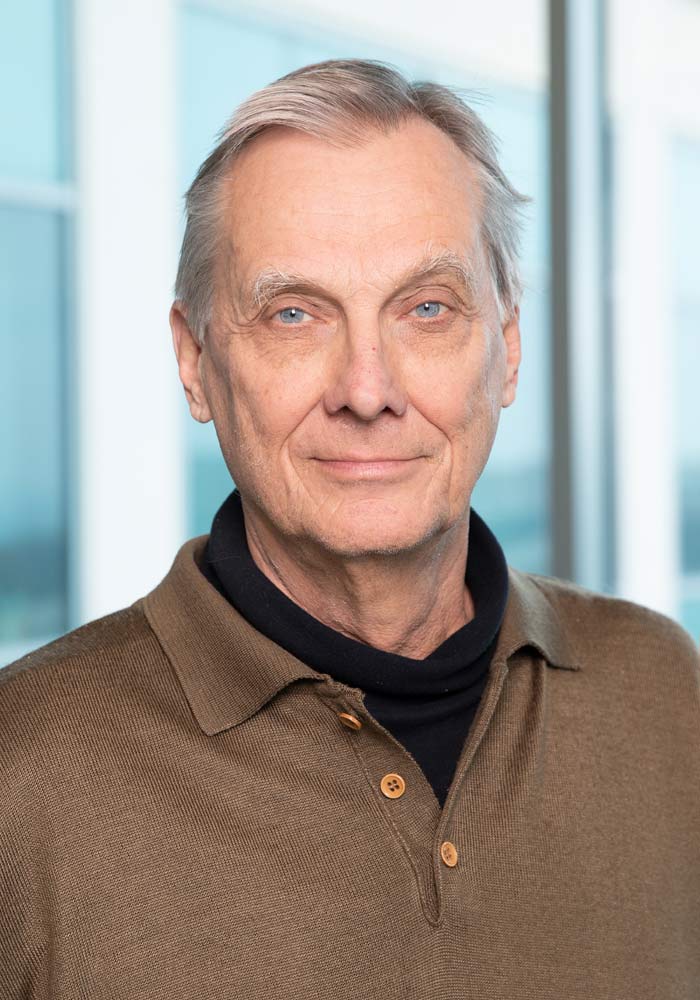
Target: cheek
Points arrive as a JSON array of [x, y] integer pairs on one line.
[[269, 402], [452, 392], [462, 399]]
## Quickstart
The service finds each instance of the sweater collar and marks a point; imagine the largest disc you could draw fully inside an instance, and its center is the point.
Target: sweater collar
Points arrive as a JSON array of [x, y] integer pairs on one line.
[[228, 670]]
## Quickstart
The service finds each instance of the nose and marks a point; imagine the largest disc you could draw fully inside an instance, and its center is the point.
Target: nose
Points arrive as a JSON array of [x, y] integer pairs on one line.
[[366, 378]]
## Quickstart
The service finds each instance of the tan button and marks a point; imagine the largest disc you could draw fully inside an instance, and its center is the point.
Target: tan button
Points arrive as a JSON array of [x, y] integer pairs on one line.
[[393, 786], [349, 720], [448, 853]]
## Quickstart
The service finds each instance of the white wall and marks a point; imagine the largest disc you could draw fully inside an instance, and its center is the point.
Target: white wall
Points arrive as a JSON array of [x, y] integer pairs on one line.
[[129, 516]]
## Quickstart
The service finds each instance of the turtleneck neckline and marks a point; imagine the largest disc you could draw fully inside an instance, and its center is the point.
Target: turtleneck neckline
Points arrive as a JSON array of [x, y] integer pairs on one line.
[[230, 567]]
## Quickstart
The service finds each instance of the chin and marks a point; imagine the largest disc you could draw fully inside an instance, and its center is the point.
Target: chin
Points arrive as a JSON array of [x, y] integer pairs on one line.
[[368, 533]]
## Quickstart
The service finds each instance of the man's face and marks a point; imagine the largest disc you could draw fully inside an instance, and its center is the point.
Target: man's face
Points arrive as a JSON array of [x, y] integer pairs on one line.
[[357, 409]]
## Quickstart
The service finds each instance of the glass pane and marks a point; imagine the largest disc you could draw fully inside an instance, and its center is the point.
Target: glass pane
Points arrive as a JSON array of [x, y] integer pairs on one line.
[[32, 512], [32, 122], [223, 60], [685, 185]]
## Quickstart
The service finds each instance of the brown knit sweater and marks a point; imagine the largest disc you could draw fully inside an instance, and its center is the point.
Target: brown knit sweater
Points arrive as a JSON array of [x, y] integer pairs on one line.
[[188, 811]]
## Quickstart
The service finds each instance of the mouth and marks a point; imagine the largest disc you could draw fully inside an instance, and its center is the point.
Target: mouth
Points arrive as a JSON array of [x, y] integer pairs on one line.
[[366, 468]]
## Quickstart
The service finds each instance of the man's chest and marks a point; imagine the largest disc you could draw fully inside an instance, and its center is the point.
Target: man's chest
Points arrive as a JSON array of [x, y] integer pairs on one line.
[[274, 864]]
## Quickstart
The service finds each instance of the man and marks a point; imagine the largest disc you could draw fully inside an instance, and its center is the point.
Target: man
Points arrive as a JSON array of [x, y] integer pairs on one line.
[[343, 749]]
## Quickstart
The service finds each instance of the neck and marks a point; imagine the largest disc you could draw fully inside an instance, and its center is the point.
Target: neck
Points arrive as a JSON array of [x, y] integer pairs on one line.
[[406, 604]]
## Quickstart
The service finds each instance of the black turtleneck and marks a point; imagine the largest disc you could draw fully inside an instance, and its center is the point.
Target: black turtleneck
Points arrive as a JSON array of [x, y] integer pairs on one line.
[[429, 704]]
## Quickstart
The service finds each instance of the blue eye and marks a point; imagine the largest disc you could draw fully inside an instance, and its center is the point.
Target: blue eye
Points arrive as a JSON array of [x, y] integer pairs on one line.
[[294, 315], [424, 309]]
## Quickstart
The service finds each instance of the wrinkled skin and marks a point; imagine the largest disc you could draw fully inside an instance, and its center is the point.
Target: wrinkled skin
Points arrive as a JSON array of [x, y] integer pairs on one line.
[[355, 368]]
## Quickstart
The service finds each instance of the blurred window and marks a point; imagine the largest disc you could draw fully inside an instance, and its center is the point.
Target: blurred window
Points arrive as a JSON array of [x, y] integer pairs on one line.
[[32, 42], [32, 515], [34, 226], [685, 165], [223, 59]]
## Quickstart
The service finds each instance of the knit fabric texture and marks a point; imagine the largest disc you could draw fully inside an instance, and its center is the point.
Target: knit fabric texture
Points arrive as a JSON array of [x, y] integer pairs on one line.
[[185, 815]]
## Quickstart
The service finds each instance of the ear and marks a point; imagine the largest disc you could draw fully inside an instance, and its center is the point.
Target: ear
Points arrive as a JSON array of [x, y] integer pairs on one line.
[[511, 336], [188, 351]]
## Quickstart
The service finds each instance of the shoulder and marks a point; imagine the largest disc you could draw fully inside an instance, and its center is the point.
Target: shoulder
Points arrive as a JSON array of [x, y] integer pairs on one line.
[[80, 649], [599, 621], [79, 674]]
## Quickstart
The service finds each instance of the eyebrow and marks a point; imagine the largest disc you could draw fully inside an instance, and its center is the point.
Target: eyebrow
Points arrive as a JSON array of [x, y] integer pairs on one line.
[[272, 282]]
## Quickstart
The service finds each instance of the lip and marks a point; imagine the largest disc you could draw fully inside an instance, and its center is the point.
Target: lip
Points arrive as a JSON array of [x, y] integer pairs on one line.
[[365, 468], [363, 460]]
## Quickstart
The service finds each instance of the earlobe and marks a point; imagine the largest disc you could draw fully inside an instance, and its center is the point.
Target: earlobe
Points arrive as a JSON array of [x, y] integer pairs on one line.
[[509, 390], [188, 352]]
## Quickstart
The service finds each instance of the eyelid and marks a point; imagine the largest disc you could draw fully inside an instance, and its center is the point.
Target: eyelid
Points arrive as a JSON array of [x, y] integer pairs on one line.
[[433, 293]]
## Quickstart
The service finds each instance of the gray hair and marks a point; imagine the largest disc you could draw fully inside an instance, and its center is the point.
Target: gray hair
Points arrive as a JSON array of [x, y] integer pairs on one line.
[[336, 100]]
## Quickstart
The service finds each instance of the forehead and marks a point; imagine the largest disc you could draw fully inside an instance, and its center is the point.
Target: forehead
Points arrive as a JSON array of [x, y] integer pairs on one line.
[[292, 196]]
